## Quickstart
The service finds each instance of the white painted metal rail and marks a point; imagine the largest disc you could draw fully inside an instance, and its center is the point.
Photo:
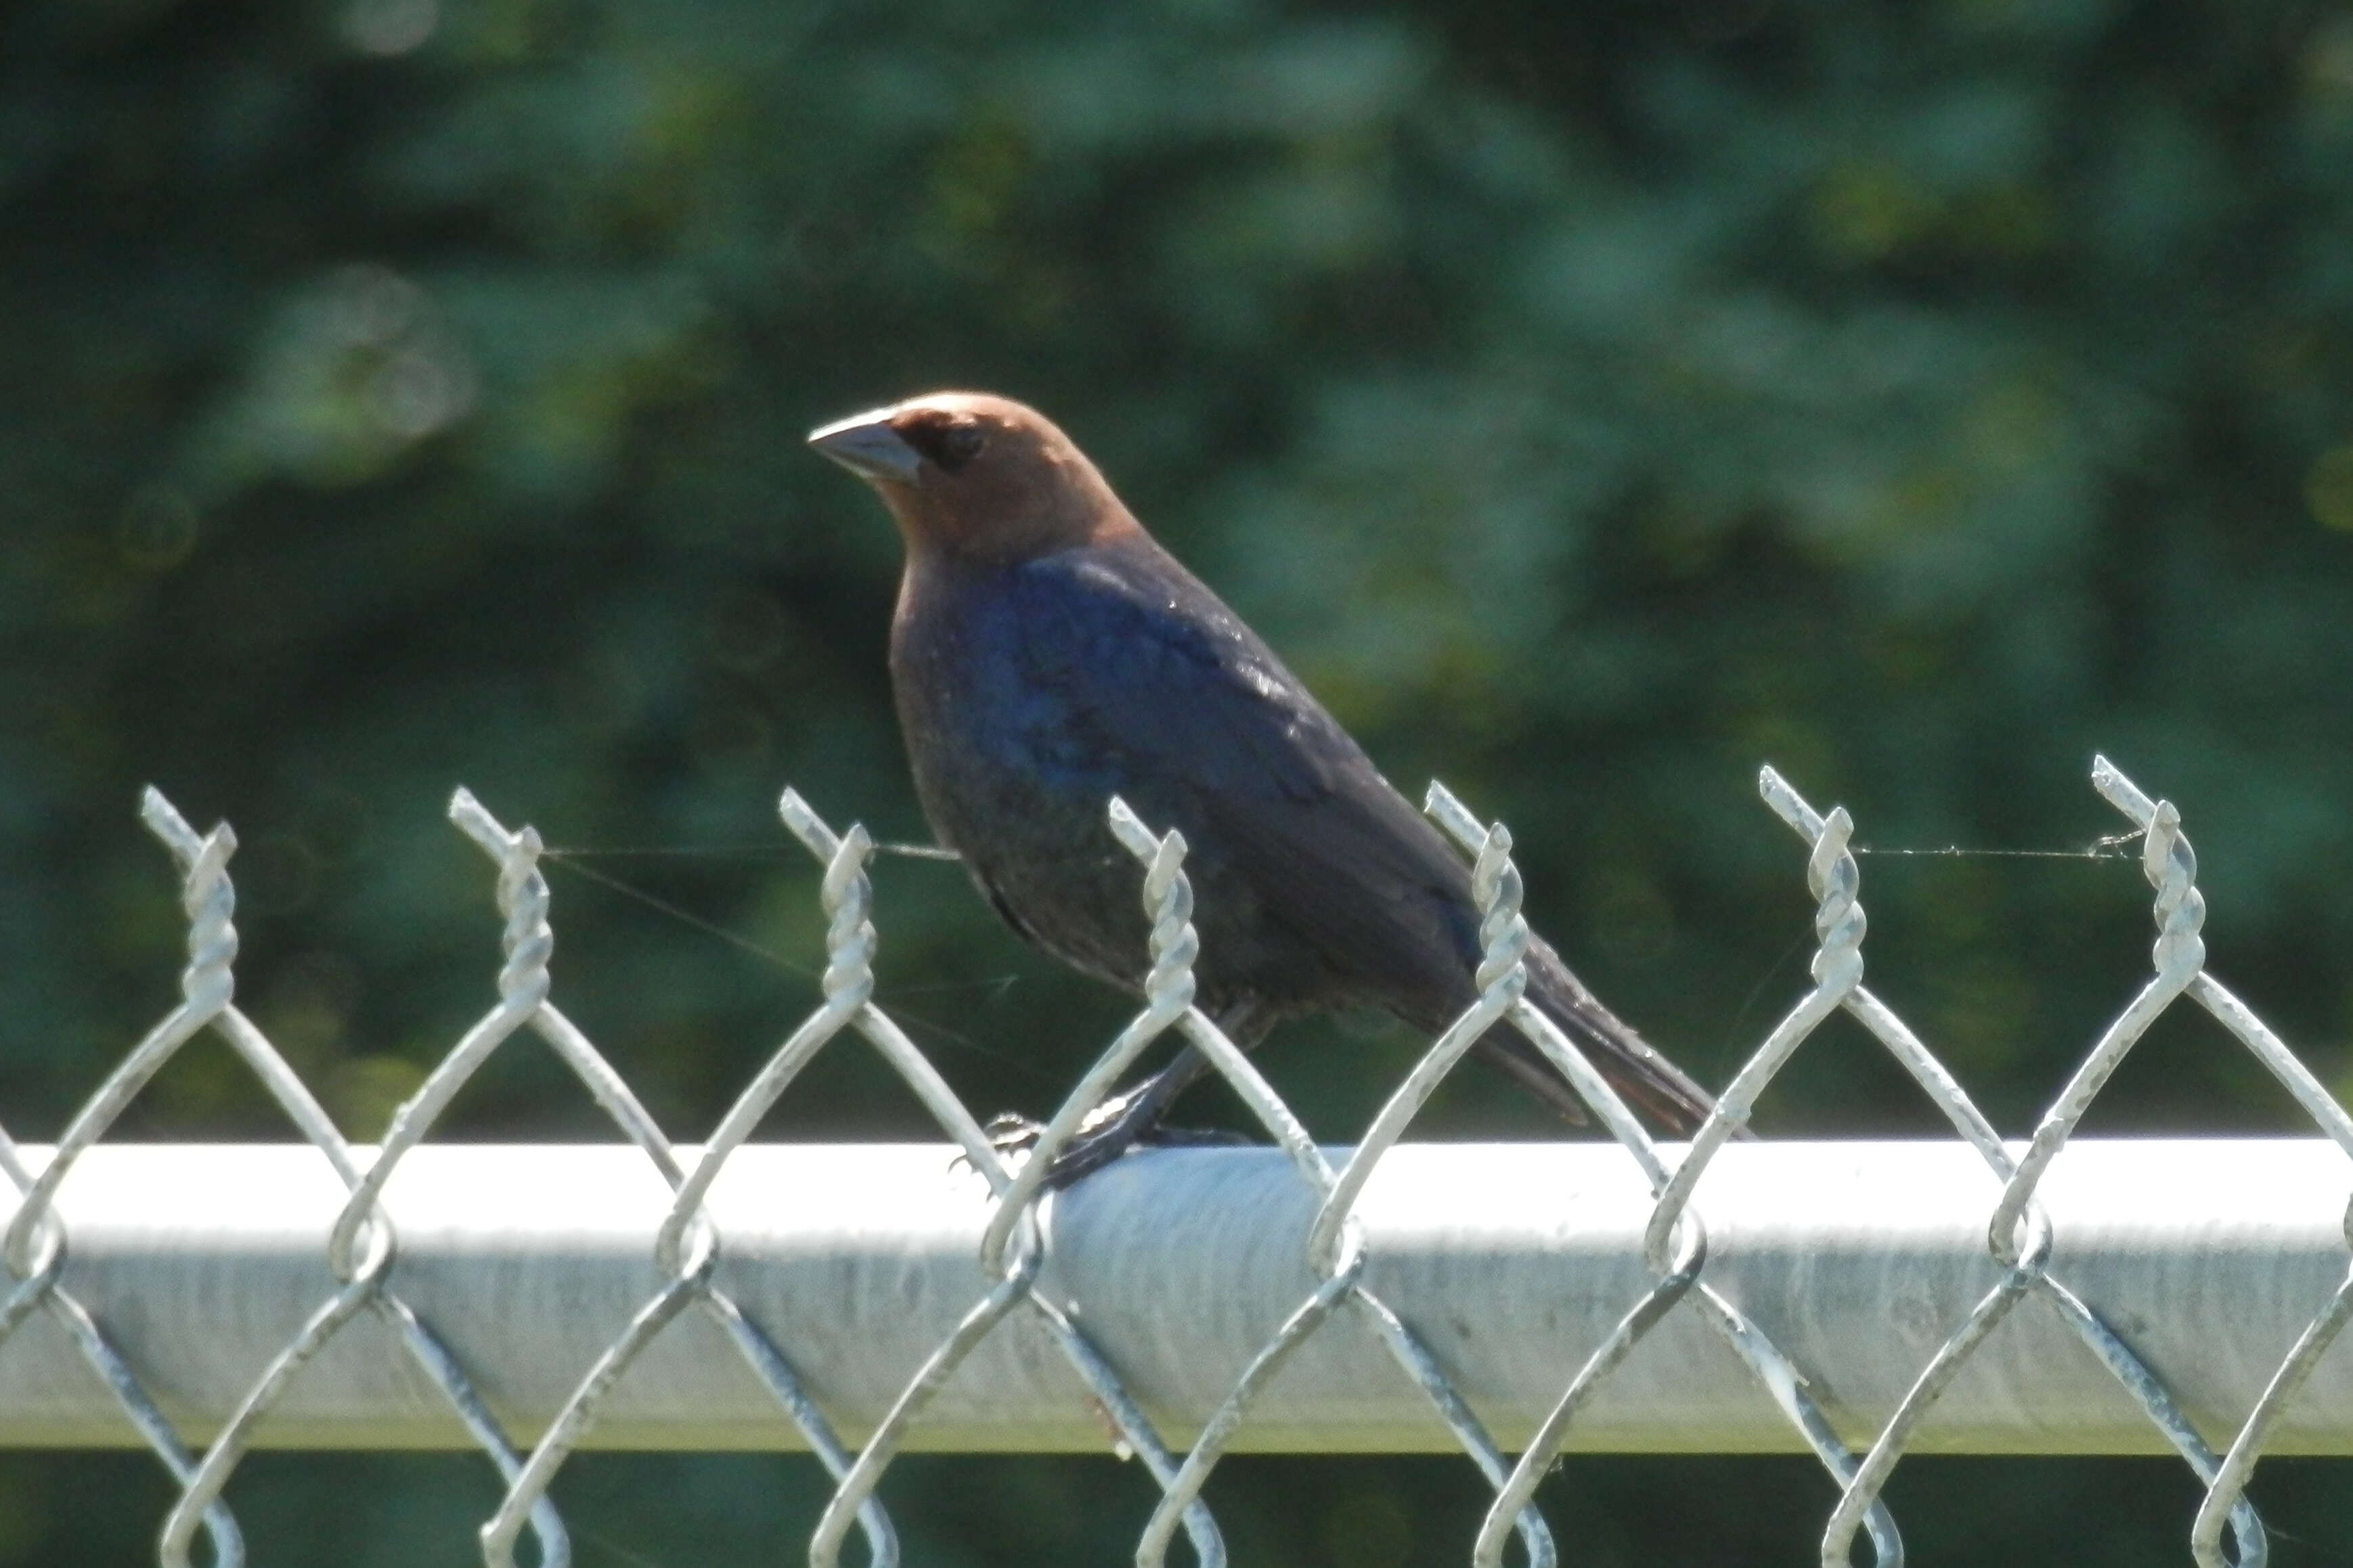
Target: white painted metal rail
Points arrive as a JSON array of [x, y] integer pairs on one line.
[[2208, 1254]]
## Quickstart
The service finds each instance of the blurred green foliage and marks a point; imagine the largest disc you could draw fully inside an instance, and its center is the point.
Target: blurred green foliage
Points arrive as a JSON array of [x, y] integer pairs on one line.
[[1593, 401]]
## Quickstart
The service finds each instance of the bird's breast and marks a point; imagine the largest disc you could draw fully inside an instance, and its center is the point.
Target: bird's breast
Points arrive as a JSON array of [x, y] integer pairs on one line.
[[1007, 777]]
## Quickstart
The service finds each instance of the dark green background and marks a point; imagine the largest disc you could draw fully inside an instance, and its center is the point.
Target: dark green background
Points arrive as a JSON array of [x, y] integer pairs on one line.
[[1593, 401]]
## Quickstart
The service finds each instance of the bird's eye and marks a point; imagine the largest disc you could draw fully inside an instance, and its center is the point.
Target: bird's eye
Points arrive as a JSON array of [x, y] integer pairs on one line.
[[960, 444], [949, 444]]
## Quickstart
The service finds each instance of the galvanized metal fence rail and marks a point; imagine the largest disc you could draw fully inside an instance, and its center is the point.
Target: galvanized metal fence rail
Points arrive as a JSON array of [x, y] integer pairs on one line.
[[1335, 1269]]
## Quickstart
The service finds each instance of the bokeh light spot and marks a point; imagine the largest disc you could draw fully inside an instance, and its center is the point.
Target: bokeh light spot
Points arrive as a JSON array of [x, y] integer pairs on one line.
[[2329, 489]]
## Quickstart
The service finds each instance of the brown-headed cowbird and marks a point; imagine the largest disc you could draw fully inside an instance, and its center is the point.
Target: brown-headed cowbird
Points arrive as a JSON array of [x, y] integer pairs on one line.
[[1047, 654]]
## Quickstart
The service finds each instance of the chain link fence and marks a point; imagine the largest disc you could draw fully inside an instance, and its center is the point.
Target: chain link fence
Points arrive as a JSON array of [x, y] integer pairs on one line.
[[1033, 1291]]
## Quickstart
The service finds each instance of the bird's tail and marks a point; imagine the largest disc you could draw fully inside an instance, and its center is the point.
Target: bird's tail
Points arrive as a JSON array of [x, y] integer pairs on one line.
[[1655, 1085]]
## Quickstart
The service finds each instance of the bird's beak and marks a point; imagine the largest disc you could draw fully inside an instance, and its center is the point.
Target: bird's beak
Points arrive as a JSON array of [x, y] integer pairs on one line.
[[867, 446]]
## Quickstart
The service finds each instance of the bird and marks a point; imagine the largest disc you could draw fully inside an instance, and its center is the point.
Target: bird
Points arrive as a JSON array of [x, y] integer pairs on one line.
[[1047, 653]]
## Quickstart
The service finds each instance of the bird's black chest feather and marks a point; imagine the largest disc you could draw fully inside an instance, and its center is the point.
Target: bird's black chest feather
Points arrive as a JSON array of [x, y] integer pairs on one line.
[[1006, 769], [1032, 694]]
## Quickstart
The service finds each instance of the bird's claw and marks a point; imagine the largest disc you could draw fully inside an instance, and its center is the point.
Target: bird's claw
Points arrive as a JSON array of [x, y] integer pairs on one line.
[[1108, 1131], [1011, 1133]]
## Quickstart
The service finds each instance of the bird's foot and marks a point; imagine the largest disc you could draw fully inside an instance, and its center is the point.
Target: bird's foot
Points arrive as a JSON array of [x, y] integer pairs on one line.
[[1121, 1123], [1013, 1135]]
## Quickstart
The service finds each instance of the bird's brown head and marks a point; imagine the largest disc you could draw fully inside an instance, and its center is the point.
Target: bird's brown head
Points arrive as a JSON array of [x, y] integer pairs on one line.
[[983, 477]]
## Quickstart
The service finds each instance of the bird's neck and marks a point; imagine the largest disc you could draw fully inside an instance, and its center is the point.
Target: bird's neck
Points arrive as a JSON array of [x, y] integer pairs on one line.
[[994, 531]]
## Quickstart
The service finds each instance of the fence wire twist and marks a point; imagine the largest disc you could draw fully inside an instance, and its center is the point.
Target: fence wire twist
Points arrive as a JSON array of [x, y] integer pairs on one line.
[[362, 1249]]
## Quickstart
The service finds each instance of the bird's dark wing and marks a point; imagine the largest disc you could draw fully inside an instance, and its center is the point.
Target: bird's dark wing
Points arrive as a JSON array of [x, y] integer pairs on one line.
[[1131, 664], [1144, 667], [1198, 723]]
